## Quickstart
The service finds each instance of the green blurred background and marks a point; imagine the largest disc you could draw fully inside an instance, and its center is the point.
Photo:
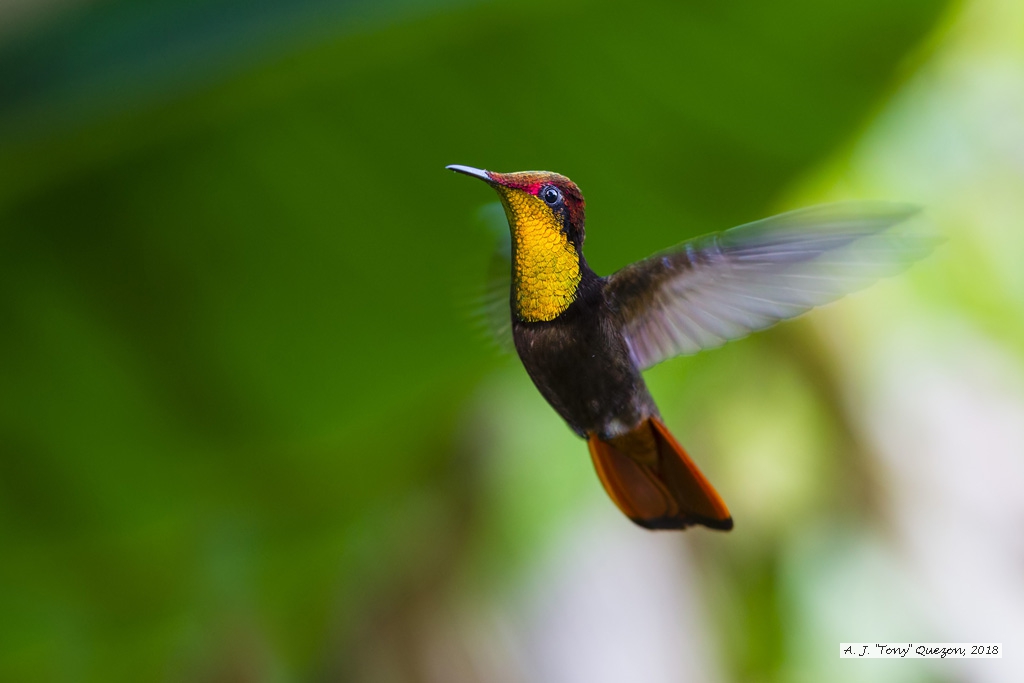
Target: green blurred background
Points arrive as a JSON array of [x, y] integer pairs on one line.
[[250, 430]]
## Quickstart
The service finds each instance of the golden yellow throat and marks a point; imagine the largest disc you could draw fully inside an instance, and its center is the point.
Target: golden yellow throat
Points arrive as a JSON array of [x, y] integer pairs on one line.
[[545, 265]]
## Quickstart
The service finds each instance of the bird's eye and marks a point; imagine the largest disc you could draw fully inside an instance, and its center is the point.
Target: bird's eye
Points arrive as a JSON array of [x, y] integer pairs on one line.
[[551, 195]]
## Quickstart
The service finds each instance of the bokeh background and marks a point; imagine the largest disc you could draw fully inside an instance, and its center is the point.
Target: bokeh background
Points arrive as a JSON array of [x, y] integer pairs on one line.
[[250, 429]]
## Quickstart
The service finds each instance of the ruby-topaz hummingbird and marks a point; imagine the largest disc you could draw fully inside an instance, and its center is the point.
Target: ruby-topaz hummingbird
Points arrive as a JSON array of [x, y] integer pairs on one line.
[[584, 339]]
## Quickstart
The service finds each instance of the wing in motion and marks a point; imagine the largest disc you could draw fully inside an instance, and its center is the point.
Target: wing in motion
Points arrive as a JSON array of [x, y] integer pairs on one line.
[[491, 312], [723, 286]]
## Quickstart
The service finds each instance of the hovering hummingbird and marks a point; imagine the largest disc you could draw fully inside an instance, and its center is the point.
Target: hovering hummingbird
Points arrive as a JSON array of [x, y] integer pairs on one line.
[[584, 339]]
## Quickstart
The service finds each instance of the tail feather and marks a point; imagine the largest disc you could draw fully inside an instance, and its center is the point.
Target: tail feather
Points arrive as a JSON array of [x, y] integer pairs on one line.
[[653, 481]]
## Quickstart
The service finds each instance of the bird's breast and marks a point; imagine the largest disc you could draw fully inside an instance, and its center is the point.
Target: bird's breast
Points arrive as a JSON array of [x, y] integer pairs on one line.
[[583, 368]]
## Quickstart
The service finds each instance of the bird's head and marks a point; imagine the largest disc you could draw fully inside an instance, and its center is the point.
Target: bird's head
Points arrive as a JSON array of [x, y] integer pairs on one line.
[[536, 197], [545, 214]]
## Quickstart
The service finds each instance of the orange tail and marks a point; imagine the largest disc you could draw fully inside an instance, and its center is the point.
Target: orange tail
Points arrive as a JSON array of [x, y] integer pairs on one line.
[[654, 482]]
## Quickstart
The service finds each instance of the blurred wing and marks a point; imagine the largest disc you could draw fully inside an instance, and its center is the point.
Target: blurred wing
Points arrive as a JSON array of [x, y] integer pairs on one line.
[[724, 286], [492, 309]]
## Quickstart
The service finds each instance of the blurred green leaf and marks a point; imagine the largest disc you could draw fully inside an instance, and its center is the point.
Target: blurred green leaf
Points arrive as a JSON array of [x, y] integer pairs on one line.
[[236, 344]]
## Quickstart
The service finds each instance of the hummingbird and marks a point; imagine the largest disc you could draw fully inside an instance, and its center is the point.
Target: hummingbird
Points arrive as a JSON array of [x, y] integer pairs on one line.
[[584, 339]]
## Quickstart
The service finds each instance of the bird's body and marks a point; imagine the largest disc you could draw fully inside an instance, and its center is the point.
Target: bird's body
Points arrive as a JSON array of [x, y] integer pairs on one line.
[[580, 362], [584, 339]]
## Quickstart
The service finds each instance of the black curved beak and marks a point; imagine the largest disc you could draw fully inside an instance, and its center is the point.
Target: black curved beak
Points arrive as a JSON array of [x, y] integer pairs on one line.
[[470, 171]]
